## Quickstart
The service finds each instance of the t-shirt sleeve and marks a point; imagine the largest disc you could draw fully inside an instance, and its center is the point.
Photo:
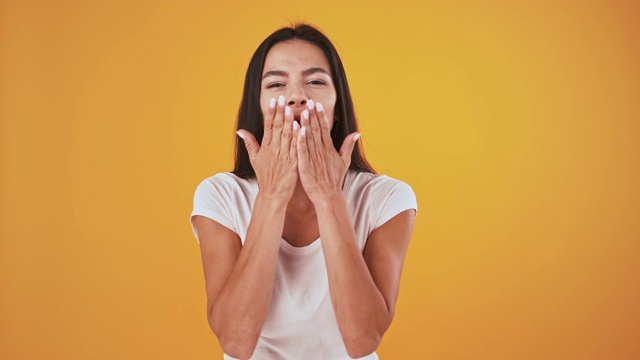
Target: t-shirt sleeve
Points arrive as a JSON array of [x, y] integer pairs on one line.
[[394, 197], [212, 200]]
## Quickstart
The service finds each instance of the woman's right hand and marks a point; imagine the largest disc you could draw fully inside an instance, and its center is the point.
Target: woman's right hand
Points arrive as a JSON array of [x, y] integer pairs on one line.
[[275, 162]]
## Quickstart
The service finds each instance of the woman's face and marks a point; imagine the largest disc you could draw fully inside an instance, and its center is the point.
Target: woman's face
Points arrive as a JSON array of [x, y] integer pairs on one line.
[[300, 72]]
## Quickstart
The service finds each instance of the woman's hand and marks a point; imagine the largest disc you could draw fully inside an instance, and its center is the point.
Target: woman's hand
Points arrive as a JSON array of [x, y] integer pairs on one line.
[[321, 167], [276, 160]]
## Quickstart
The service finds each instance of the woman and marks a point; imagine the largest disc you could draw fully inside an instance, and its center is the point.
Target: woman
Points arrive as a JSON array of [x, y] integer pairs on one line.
[[302, 245]]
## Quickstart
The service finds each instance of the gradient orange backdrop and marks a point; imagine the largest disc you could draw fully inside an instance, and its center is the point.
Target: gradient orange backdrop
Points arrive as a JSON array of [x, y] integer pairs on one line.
[[516, 123]]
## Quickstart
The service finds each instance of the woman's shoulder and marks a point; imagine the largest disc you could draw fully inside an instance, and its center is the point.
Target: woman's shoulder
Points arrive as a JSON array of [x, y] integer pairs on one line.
[[227, 182], [368, 182], [380, 196], [227, 177]]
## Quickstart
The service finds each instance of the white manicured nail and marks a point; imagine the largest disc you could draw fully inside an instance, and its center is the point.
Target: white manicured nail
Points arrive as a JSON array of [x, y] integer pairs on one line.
[[319, 107], [240, 134], [355, 138], [287, 111], [310, 104], [281, 100], [302, 131], [296, 126], [305, 114], [272, 103]]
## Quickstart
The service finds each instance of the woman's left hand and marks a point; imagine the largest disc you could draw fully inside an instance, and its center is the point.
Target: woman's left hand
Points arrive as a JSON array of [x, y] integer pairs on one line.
[[321, 167]]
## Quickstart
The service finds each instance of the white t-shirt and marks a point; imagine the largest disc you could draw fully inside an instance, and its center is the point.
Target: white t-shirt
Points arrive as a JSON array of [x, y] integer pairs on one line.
[[301, 323]]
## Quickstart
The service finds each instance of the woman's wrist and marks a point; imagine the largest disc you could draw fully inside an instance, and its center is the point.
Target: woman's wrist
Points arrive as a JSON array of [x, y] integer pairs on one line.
[[328, 200], [272, 201]]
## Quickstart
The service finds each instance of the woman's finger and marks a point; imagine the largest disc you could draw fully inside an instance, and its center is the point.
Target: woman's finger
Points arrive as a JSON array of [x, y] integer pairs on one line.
[[278, 123], [308, 136], [325, 129], [250, 143], [314, 124], [347, 147], [287, 129], [303, 151], [293, 150], [268, 122]]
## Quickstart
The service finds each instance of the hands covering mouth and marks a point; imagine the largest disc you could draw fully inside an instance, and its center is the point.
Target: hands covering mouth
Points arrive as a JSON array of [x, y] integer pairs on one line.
[[298, 143]]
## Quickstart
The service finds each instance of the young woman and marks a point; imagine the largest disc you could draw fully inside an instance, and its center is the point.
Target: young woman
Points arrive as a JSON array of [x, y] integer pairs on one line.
[[302, 244]]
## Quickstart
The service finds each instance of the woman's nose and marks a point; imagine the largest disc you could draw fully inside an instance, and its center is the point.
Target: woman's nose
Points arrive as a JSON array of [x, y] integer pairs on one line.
[[296, 96]]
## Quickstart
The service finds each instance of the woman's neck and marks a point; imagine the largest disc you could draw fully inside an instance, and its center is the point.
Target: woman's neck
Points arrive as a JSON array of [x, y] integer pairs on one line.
[[300, 203]]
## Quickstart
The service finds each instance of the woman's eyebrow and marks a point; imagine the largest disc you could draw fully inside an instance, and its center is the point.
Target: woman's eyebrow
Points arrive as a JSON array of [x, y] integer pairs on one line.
[[314, 70], [283, 73], [275, 73]]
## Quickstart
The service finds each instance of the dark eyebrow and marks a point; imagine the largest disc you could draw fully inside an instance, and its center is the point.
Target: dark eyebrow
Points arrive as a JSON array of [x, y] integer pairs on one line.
[[283, 73], [275, 73], [314, 70]]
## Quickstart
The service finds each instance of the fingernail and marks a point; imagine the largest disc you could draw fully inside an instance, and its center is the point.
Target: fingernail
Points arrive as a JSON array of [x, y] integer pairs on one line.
[[287, 111], [272, 103], [355, 138], [240, 134], [302, 131], [281, 100], [305, 114], [296, 126], [310, 104], [319, 107]]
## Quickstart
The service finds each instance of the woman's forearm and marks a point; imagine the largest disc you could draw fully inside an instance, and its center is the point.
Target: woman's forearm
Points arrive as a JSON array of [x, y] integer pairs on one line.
[[360, 308], [240, 308]]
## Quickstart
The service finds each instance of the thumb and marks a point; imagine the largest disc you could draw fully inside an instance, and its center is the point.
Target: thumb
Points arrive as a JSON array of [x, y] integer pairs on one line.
[[249, 142], [347, 146]]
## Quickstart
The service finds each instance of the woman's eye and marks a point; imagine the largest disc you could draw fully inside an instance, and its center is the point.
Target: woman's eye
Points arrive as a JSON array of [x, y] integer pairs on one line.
[[274, 85], [316, 82]]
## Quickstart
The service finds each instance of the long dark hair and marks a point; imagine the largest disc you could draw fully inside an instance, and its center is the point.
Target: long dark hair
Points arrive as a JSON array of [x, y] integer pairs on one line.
[[250, 114]]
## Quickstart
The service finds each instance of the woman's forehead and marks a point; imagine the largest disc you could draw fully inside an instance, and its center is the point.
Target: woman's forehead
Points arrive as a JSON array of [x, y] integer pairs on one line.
[[295, 55]]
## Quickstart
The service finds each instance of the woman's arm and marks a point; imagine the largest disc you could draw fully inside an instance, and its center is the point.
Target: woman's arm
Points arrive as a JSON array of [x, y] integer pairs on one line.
[[239, 278], [364, 287]]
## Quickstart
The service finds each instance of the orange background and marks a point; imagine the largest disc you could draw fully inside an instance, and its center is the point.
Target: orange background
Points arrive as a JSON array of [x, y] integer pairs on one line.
[[517, 124]]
